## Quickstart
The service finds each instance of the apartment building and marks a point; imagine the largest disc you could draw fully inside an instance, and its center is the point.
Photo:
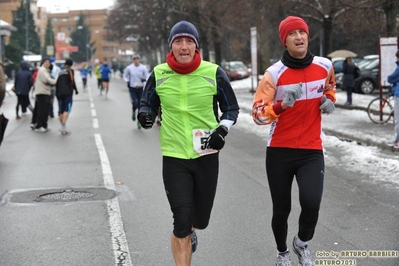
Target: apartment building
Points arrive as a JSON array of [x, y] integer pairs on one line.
[[8, 9], [96, 20], [64, 23]]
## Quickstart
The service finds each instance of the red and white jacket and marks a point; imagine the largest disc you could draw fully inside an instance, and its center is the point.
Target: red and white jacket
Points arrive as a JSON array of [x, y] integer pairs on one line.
[[297, 127]]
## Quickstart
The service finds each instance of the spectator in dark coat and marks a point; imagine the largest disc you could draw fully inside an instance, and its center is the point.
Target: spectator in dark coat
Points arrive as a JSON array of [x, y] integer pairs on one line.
[[350, 70], [23, 84]]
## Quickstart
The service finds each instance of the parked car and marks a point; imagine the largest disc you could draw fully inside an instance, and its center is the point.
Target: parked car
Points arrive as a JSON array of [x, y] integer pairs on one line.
[[338, 61], [368, 80], [369, 77], [236, 70]]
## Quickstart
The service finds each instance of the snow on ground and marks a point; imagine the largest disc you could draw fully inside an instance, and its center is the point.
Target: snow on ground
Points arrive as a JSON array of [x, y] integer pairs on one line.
[[370, 160]]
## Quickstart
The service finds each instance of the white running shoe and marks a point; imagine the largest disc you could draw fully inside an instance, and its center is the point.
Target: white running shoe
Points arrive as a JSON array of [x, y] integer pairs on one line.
[[41, 130], [303, 253], [391, 144], [63, 130], [283, 259]]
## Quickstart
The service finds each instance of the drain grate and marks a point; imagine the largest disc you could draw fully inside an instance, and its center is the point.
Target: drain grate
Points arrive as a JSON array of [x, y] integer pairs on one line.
[[67, 195], [58, 195]]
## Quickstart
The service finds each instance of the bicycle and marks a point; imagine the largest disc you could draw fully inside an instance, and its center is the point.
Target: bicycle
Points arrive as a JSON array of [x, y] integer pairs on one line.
[[380, 110]]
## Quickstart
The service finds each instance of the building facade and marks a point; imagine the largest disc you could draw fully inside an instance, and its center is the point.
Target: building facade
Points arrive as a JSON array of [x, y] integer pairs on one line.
[[8, 9], [64, 23], [96, 20]]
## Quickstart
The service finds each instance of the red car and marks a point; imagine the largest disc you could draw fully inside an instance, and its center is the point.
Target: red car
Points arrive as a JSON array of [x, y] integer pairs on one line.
[[236, 70]]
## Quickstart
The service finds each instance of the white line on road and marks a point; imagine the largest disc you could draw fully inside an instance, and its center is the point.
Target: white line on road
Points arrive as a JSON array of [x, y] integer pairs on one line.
[[95, 123], [119, 241]]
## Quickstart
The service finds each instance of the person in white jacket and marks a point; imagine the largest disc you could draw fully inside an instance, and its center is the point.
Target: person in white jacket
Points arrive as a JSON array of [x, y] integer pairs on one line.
[[43, 84], [135, 76]]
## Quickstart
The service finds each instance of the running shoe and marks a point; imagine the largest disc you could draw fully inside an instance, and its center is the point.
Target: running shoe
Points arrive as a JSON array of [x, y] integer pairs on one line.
[[138, 125], [63, 130], [283, 259], [391, 144], [32, 126], [303, 253], [41, 130], [194, 241]]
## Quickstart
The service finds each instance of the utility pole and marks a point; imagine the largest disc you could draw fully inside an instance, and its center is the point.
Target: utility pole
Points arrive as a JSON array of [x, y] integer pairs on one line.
[[27, 3]]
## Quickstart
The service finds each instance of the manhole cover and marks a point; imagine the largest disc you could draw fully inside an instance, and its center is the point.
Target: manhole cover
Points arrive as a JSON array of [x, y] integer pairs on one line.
[[67, 195], [58, 195]]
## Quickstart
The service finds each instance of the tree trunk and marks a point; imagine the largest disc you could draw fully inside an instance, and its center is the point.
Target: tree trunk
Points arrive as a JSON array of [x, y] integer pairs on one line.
[[390, 10], [327, 27]]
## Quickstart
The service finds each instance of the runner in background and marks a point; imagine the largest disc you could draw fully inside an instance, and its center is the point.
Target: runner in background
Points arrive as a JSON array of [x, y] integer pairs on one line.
[[106, 72], [98, 74], [135, 76], [84, 71]]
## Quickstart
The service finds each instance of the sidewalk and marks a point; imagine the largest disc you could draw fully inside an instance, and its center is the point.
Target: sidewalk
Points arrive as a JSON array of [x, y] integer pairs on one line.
[[349, 123]]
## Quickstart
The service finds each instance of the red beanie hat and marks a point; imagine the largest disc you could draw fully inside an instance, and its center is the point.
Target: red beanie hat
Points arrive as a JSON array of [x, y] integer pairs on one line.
[[289, 24]]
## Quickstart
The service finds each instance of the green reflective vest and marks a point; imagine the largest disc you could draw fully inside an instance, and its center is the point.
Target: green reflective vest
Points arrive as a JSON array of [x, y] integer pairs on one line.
[[187, 103]]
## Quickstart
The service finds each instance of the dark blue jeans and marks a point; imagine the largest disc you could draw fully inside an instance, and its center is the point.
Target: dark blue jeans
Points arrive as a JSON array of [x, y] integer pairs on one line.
[[135, 96]]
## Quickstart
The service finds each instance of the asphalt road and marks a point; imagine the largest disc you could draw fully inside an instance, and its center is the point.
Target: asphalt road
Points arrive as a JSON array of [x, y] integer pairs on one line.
[[106, 152]]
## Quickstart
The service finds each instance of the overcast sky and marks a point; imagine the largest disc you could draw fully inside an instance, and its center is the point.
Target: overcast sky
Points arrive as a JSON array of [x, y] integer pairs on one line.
[[53, 5]]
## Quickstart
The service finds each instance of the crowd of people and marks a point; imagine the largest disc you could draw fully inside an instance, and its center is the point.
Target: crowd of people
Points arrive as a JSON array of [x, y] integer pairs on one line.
[[44, 84], [50, 81]]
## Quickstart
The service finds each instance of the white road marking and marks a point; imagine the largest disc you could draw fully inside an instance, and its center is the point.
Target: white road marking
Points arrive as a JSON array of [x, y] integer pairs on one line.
[[119, 241]]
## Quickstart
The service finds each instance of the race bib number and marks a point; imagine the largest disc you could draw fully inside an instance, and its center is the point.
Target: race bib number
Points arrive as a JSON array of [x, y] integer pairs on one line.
[[200, 137]]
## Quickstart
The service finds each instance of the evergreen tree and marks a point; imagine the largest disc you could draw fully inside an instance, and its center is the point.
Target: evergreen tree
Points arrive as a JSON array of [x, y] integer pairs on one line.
[[49, 41], [14, 54], [26, 36], [81, 38]]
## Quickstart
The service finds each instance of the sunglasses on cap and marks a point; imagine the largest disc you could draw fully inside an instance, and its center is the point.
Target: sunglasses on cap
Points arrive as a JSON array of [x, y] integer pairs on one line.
[[136, 58]]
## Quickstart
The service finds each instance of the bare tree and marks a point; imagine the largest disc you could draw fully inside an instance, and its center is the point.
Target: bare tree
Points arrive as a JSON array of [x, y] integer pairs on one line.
[[328, 14], [224, 26]]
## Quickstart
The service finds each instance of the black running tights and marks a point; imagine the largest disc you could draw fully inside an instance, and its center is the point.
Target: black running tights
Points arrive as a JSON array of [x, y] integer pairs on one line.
[[307, 166]]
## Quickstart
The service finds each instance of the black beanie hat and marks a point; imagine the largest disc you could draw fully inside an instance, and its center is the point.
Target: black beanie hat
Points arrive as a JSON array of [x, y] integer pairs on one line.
[[183, 29]]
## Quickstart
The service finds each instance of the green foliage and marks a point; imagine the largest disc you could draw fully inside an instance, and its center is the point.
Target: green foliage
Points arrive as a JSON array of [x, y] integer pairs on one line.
[[81, 38], [26, 36], [49, 40], [14, 53]]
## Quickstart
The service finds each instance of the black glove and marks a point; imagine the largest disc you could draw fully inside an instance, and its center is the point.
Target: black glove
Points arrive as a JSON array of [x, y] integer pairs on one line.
[[146, 120], [216, 139], [128, 85], [76, 92]]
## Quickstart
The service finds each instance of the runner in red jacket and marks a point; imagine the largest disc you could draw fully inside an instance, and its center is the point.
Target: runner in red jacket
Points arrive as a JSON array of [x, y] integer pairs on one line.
[[292, 95]]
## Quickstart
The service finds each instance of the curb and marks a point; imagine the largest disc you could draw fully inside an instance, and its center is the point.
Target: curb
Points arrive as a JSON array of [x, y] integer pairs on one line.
[[359, 141]]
